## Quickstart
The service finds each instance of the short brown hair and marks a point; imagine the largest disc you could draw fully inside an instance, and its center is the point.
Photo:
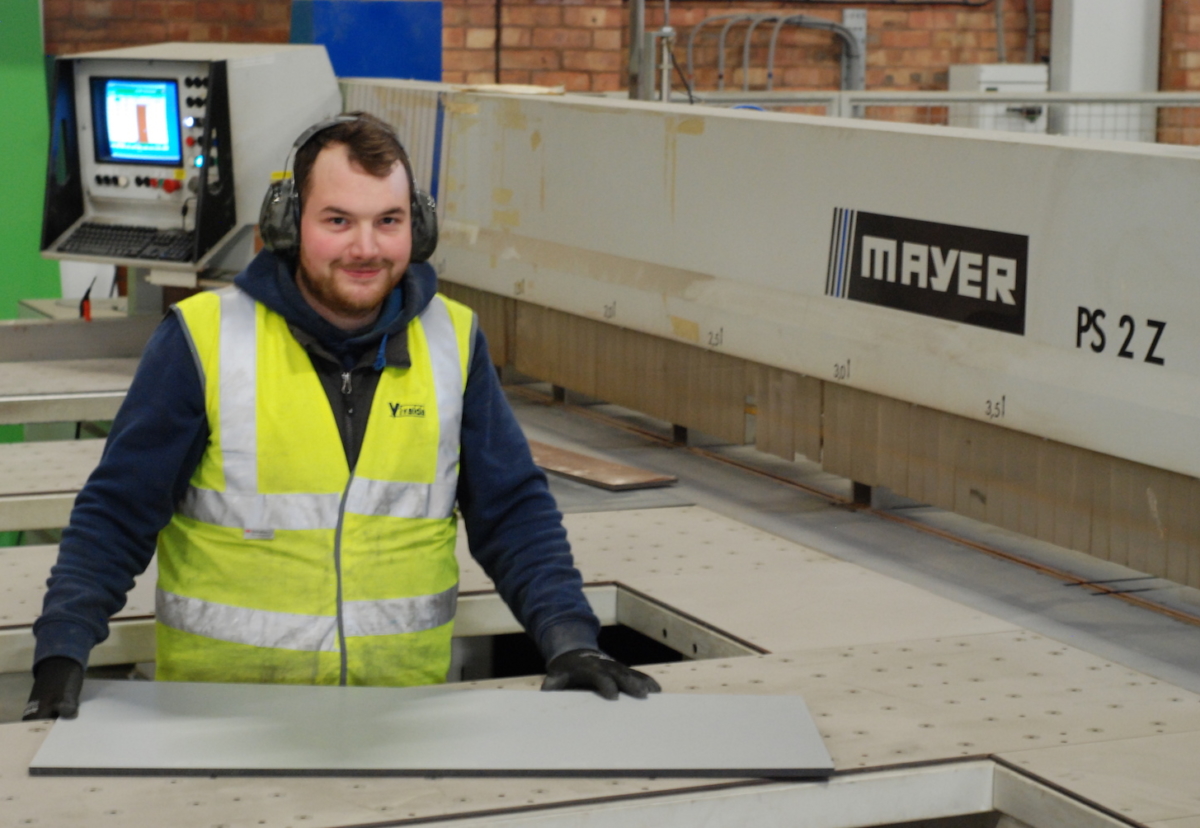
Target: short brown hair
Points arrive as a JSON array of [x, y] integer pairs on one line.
[[370, 141]]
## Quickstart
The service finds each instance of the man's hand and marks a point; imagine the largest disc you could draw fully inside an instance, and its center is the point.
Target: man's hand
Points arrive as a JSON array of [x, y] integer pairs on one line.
[[593, 670], [56, 685]]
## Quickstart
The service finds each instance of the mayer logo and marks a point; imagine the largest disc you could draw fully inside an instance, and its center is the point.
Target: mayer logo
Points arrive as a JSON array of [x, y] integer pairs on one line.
[[402, 410], [958, 273]]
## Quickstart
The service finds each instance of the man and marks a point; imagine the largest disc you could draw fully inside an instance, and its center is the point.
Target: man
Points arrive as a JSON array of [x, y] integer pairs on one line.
[[294, 447]]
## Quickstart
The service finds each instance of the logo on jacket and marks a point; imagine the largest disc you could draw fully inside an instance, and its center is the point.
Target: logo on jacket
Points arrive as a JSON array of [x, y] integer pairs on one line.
[[402, 410], [964, 274]]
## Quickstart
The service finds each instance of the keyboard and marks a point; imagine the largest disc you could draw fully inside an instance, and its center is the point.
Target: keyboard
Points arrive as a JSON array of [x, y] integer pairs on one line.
[[126, 242]]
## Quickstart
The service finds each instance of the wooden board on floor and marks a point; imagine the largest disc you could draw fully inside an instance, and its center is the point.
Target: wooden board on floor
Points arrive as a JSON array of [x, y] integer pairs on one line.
[[615, 477]]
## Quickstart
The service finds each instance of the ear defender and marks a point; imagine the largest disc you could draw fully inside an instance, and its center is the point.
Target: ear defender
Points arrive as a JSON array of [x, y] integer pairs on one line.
[[424, 226], [279, 217], [277, 223]]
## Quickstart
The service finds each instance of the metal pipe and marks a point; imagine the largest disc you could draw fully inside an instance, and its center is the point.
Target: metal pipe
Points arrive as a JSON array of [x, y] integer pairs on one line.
[[637, 36], [746, 48], [646, 74], [1001, 54], [853, 52], [771, 52], [694, 33], [666, 36], [721, 48], [1030, 31], [853, 56]]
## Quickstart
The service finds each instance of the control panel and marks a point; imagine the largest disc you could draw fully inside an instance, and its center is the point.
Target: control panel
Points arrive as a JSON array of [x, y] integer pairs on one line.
[[160, 154], [145, 145]]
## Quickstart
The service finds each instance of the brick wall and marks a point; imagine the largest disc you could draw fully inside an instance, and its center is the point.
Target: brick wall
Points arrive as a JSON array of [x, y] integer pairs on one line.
[[582, 48], [84, 25], [1179, 69]]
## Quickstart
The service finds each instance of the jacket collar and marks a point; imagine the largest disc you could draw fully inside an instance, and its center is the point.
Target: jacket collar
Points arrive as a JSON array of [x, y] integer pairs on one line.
[[269, 279]]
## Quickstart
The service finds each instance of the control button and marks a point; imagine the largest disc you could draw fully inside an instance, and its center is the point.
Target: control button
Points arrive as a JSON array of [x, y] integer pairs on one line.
[[190, 140], [98, 181], [193, 184], [171, 185], [122, 181]]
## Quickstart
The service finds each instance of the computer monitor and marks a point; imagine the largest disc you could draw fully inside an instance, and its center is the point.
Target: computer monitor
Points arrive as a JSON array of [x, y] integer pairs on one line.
[[136, 121]]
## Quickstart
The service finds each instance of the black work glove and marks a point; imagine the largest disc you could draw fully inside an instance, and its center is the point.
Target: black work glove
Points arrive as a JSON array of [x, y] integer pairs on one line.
[[593, 670], [56, 684]]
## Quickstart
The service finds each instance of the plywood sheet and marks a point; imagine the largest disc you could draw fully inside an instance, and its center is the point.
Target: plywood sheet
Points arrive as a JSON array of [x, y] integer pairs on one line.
[[787, 596], [51, 467], [23, 574], [138, 728], [1163, 788], [65, 376], [594, 471]]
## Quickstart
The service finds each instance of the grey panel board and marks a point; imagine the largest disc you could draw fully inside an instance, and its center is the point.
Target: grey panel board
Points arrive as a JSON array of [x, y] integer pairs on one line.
[[152, 728]]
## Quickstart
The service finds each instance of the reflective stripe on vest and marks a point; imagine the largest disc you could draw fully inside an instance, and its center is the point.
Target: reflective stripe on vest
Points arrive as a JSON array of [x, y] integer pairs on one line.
[[292, 631], [241, 506]]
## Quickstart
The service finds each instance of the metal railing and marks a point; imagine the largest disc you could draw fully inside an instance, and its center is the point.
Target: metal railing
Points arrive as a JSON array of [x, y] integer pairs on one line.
[[1164, 117]]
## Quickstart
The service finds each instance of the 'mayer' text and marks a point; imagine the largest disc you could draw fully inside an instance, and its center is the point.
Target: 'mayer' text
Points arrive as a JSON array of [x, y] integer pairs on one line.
[[926, 266]]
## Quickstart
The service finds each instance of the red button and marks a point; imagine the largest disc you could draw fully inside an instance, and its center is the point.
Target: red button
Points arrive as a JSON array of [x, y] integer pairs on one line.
[[191, 141], [171, 186]]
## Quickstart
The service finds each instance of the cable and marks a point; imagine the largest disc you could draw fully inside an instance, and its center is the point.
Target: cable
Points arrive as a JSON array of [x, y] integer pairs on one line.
[[499, 34], [686, 84], [183, 212]]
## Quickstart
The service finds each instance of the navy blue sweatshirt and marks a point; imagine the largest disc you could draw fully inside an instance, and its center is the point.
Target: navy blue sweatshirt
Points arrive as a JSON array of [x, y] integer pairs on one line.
[[513, 525]]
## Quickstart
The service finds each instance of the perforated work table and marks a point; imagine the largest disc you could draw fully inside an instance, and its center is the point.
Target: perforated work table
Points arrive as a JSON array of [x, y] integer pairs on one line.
[[894, 676], [39, 481], [63, 390]]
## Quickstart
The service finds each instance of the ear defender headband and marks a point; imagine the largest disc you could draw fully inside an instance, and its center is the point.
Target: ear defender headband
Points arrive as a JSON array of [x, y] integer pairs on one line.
[[279, 218]]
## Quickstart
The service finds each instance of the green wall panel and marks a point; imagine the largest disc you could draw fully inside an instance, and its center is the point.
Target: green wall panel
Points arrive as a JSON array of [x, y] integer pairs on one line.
[[24, 121]]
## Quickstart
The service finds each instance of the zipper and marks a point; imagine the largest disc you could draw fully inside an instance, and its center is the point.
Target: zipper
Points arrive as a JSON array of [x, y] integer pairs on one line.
[[348, 411], [347, 389], [337, 566]]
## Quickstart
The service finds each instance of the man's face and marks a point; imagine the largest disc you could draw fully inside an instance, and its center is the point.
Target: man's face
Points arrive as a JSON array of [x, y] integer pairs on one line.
[[355, 238]]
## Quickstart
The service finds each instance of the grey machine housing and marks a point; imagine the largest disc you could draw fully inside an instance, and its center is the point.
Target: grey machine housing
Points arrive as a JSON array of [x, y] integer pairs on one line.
[[240, 107]]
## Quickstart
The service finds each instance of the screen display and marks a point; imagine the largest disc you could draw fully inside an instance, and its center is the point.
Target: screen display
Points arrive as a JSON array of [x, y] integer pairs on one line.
[[136, 121]]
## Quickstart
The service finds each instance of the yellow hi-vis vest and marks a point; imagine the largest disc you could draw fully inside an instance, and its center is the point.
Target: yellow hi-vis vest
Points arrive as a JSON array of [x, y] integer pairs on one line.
[[281, 564]]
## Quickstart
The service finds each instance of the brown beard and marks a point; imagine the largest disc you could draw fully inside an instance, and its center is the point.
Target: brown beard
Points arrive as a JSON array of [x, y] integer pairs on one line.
[[326, 293]]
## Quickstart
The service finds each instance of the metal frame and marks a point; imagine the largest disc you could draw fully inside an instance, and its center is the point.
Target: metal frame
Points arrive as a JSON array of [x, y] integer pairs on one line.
[[845, 104]]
